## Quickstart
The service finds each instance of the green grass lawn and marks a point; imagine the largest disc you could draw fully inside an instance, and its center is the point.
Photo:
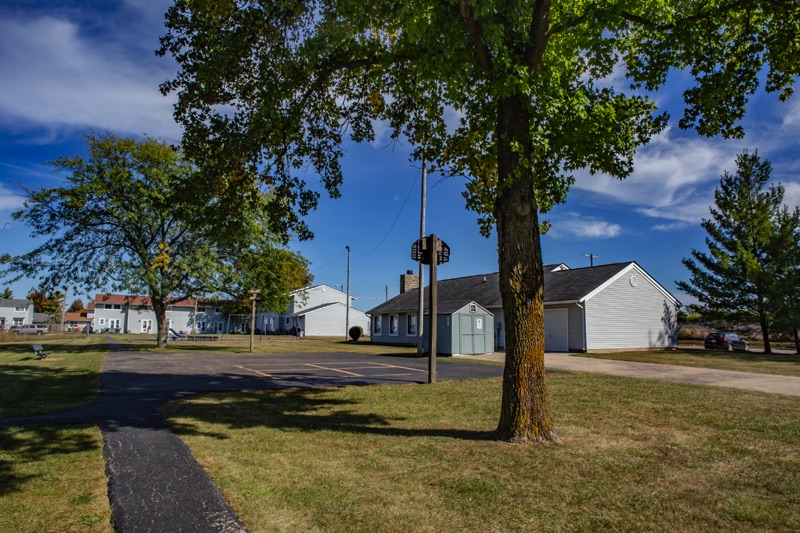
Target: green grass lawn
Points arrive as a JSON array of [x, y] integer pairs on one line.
[[786, 365], [52, 480], [66, 379], [636, 456]]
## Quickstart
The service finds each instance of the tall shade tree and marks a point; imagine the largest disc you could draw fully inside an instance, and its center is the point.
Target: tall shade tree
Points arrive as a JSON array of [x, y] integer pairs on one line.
[[274, 88], [751, 241], [119, 223]]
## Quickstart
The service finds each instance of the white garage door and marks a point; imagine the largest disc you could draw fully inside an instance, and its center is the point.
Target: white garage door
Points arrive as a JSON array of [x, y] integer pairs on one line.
[[556, 330]]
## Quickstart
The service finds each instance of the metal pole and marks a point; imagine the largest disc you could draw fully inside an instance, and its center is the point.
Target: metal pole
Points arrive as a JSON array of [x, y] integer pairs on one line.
[[421, 306], [253, 315], [347, 312], [434, 247]]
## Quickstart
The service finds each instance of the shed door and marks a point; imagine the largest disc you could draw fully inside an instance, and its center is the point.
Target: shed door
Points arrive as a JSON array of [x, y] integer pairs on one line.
[[556, 330], [473, 334]]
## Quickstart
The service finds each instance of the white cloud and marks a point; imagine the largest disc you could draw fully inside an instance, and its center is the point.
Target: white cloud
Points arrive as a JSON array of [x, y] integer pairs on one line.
[[672, 226], [674, 178], [9, 201], [792, 194], [53, 77], [582, 227]]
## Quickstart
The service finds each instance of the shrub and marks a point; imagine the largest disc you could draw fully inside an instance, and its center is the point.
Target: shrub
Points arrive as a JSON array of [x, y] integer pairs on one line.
[[356, 333]]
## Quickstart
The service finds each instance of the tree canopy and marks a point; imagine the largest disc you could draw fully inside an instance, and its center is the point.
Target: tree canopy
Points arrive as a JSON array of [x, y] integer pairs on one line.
[[752, 238], [127, 219], [271, 89]]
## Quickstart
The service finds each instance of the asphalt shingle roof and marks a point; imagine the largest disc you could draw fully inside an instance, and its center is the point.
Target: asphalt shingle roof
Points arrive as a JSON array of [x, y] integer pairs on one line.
[[13, 302], [559, 286]]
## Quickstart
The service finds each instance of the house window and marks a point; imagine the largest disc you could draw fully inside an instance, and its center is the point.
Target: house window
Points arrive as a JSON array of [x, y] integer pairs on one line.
[[113, 323], [411, 325], [201, 309], [288, 321], [393, 324], [21, 309], [99, 306], [102, 321], [116, 306], [376, 325], [18, 321]]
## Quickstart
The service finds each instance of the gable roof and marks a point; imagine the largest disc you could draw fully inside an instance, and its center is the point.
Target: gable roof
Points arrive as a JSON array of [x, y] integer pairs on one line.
[[561, 284]]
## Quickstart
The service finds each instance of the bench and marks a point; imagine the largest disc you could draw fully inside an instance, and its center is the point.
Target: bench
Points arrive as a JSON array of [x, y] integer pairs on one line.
[[39, 351]]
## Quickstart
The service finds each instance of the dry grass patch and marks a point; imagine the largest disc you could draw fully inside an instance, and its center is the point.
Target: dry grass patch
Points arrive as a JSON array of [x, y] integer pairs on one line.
[[53, 479], [779, 364], [636, 455]]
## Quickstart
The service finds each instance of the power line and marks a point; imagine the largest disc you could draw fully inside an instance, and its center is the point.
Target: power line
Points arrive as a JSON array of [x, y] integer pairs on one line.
[[410, 190]]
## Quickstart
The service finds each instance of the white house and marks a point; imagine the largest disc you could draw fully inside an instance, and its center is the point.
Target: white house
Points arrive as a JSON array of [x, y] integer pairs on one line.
[[319, 311], [14, 312], [134, 314], [614, 306]]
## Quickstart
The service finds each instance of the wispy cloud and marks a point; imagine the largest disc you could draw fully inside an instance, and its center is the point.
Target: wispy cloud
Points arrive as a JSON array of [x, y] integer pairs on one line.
[[574, 225], [9, 200], [54, 77]]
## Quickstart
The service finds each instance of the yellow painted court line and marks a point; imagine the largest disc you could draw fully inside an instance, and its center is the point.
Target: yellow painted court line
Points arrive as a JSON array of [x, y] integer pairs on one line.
[[401, 367], [253, 370], [335, 370]]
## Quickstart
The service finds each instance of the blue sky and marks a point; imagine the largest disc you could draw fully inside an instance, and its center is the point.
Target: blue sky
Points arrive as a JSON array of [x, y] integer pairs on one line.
[[71, 67]]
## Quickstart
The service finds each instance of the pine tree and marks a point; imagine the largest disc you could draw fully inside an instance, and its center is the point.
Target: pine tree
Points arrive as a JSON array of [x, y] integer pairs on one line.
[[742, 276]]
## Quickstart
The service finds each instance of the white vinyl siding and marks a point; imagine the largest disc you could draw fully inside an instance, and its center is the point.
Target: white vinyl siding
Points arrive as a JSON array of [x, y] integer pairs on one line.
[[626, 315]]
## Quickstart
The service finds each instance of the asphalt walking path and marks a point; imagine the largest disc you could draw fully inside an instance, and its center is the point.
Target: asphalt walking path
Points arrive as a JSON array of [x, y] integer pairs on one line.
[[154, 482], [773, 384]]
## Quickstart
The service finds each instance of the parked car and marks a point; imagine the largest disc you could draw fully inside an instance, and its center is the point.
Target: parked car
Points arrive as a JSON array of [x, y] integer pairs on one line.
[[30, 329], [726, 341]]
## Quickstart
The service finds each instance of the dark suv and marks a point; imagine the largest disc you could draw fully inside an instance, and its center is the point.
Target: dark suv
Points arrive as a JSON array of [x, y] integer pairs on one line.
[[726, 341]]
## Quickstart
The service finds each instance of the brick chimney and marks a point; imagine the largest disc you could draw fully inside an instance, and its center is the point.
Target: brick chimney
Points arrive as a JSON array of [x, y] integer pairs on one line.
[[408, 281]]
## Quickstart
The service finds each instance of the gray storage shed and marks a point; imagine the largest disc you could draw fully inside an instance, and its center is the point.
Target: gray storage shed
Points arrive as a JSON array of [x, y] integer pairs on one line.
[[463, 328]]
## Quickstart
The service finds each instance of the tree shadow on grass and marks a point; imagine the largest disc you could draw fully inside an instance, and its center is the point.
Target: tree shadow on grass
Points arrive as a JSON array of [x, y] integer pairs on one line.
[[38, 389], [307, 410], [23, 446]]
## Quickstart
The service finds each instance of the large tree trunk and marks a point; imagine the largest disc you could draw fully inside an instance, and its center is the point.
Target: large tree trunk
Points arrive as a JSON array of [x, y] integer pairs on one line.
[[160, 310], [525, 411], [764, 323]]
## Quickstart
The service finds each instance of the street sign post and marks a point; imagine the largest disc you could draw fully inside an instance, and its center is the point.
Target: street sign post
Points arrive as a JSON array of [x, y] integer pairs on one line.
[[433, 252]]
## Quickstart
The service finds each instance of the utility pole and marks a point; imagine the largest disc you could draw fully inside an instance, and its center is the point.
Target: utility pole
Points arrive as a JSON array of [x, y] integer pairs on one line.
[[421, 306], [591, 258], [347, 312]]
